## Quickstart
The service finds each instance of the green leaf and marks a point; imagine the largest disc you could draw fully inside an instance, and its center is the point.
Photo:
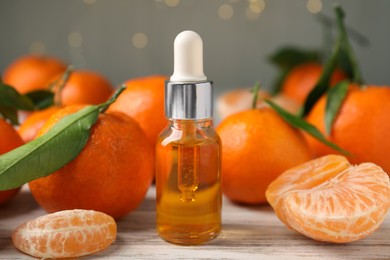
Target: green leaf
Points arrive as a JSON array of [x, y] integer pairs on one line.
[[9, 113], [277, 84], [11, 101], [300, 123], [346, 47], [51, 151], [336, 96], [329, 22], [323, 83], [289, 57], [41, 98], [344, 63], [10, 97], [342, 52]]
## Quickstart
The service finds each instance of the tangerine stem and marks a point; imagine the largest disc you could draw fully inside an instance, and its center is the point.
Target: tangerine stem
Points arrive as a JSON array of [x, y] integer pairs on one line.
[[255, 91], [103, 107], [58, 85]]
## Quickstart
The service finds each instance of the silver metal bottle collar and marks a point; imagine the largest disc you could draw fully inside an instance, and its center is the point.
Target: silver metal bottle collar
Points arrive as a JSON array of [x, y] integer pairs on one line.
[[189, 100]]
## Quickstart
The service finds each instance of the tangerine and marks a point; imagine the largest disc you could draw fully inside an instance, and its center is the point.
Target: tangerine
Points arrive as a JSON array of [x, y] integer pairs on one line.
[[84, 87], [143, 100], [361, 127], [30, 127], [111, 174], [69, 233], [32, 72], [9, 140], [302, 79], [257, 146], [328, 199], [241, 99]]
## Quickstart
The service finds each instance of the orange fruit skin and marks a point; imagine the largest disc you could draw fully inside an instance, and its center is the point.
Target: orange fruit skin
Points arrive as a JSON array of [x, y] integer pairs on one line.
[[143, 100], [257, 146], [111, 174], [329, 200], [302, 79], [32, 72], [9, 140], [362, 126], [241, 99], [30, 127], [70, 233], [85, 87]]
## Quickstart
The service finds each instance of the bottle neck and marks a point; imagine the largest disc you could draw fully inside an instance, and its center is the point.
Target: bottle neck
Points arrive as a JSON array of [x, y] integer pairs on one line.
[[183, 124]]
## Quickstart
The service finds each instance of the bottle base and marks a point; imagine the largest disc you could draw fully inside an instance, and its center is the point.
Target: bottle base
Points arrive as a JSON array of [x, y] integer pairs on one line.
[[189, 235]]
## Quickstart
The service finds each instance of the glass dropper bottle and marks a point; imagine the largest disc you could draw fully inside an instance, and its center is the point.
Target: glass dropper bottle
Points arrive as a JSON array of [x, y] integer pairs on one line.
[[188, 184]]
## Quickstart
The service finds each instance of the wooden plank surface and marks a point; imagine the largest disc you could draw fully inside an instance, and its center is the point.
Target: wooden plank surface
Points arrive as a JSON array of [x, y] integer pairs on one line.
[[248, 233]]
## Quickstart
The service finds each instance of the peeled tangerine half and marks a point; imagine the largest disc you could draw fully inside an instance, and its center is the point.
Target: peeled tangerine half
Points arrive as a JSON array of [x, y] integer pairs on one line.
[[328, 199], [68, 233]]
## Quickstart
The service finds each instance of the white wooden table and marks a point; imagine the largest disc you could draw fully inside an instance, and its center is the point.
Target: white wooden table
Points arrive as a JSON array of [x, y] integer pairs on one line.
[[248, 233]]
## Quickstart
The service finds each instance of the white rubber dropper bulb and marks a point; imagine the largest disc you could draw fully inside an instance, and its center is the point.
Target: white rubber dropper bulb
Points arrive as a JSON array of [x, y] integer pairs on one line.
[[188, 58]]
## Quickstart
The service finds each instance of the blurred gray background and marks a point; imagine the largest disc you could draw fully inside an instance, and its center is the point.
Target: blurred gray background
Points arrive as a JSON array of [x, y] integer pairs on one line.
[[123, 39]]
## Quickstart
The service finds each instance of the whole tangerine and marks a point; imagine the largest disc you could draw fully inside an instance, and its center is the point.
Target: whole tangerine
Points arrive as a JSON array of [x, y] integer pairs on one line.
[[302, 79], [257, 146], [111, 174], [32, 72], [362, 126], [9, 140], [143, 100]]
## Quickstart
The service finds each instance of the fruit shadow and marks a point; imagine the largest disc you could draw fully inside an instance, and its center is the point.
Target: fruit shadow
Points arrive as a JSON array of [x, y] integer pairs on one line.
[[243, 235], [5, 239], [141, 219], [22, 204], [258, 207]]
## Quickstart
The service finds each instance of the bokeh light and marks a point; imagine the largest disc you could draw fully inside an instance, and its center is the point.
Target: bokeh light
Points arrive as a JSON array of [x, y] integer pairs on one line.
[[314, 6], [75, 39], [140, 40], [225, 12], [37, 47]]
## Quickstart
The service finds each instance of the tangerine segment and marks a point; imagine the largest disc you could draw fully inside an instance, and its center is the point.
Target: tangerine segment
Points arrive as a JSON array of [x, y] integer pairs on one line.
[[346, 208], [341, 208], [68, 233], [304, 176]]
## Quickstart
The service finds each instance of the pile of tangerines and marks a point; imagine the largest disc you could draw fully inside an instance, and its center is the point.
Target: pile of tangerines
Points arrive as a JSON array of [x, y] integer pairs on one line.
[[264, 158], [121, 143], [115, 168]]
